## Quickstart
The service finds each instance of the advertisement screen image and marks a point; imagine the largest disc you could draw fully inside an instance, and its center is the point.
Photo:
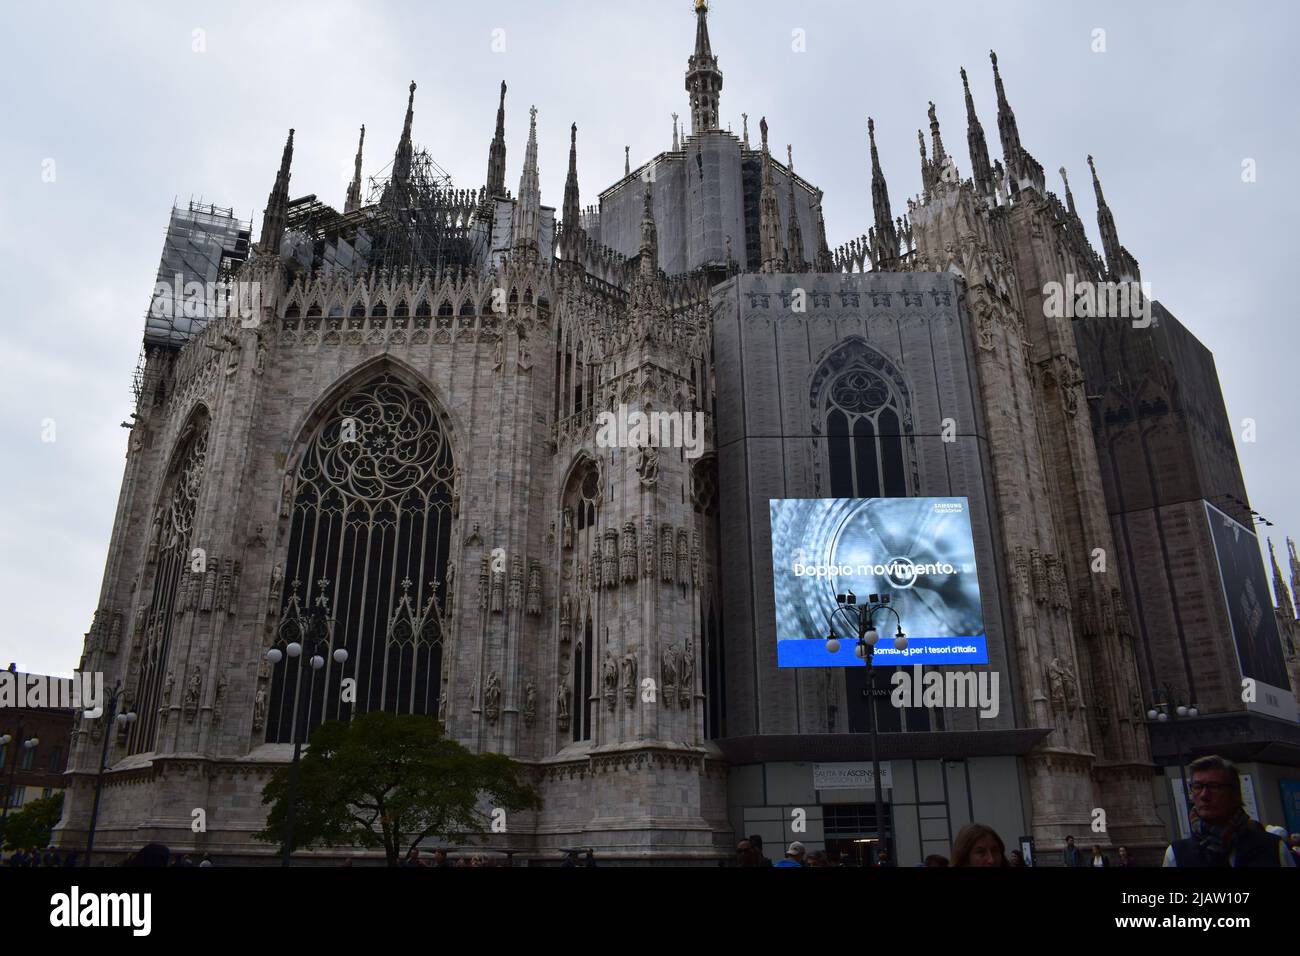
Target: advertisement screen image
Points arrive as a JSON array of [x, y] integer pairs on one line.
[[918, 551]]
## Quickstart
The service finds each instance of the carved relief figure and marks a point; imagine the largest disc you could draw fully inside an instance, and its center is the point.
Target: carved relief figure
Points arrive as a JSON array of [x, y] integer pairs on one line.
[[192, 691], [562, 706], [629, 677], [610, 676], [492, 698], [668, 668], [530, 703], [647, 465], [259, 709]]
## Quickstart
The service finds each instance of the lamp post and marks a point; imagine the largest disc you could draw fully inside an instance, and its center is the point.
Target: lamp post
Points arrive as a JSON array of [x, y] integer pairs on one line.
[[26, 745], [860, 618], [316, 631], [122, 720], [1166, 710]]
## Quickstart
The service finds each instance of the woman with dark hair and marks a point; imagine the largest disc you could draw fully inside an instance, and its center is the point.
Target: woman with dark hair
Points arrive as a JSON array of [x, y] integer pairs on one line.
[[978, 845]]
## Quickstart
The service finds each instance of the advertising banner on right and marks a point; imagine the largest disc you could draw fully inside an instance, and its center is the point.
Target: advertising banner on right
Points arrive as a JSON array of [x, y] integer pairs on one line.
[[1250, 610]]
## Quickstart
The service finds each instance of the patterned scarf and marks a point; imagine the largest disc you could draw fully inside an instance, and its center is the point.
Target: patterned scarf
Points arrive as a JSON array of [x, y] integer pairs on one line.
[[1216, 841]]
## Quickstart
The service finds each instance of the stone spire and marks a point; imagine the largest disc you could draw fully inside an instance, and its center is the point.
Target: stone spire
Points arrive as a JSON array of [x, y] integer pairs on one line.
[[649, 261], [1069, 196], [1295, 565], [940, 158], [703, 78], [769, 214], [744, 139], [528, 210], [402, 158], [981, 170], [927, 174], [793, 234], [277, 205], [1106, 223], [884, 235], [1021, 167], [353, 200], [496, 174], [572, 210], [627, 160], [1007, 129], [1280, 593], [676, 143], [825, 263]]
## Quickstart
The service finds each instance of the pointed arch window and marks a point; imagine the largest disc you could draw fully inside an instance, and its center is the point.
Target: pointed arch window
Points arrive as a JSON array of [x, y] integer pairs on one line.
[[581, 503], [174, 587], [370, 540]]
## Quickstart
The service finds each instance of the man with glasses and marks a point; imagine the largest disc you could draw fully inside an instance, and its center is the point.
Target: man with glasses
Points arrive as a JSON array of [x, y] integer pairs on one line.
[[1222, 833]]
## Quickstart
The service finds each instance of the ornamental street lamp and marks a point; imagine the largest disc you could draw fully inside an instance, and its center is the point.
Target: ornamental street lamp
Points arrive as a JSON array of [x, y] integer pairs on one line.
[[315, 630], [28, 744], [1167, 711], [860, 618], [122, 720]]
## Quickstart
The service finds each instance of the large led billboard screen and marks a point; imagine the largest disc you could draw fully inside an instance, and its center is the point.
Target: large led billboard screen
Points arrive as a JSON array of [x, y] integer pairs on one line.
[[1250, 612], [919, 551]]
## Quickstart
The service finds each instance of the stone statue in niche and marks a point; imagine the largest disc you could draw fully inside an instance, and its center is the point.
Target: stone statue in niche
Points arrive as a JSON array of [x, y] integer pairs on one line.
[[629, 677], [192, 691], [259, 709], [668, 668], [530, 703], [568, 528], [562, 706], [492, 698], [610, 677], [647, 465]]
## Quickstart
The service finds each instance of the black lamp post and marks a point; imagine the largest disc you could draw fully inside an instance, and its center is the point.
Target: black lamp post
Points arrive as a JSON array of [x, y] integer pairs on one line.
[[860, 618], [1166, 710], [121, 720], [315, 631], [26, 745]]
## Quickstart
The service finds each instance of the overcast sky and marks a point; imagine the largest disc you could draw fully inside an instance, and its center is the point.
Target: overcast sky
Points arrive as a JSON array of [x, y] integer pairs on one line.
[[137, 110]]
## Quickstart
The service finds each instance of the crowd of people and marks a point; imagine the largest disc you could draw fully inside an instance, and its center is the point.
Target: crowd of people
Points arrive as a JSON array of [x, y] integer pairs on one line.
[[35, 856], [1222, 835]]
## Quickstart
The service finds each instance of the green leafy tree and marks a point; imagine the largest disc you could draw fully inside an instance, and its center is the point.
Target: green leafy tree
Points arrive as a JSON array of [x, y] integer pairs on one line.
[[31, 826], [391, 780]]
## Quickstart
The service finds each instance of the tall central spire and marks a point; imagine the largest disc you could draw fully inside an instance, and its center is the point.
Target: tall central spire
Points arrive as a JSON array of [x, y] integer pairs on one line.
[[402, 159], [703, 78], [884, 234], [496, 174], [353, 200]]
